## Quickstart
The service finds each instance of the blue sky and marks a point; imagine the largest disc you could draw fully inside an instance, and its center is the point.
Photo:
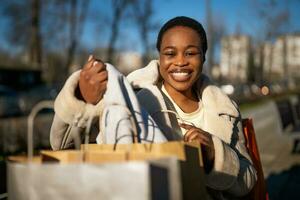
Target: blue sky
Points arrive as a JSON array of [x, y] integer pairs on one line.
[[233, 13], [165, 10]]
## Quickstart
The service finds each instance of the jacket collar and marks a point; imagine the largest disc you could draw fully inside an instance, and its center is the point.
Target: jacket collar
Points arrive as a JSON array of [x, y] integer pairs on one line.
[[212, 97]]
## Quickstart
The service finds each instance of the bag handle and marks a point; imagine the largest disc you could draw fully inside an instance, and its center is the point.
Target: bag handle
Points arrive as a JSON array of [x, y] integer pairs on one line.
[[30, 123], [133, 125], [103, 126]]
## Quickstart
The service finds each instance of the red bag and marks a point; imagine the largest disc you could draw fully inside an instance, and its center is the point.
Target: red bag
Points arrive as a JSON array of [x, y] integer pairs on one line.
[[259, 191]]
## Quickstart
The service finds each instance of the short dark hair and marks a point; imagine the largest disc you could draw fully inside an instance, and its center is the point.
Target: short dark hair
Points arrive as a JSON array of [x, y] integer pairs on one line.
[[186, 22]]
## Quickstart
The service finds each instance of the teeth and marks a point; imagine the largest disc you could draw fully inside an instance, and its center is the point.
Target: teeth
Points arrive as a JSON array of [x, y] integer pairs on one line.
[[180, 73]]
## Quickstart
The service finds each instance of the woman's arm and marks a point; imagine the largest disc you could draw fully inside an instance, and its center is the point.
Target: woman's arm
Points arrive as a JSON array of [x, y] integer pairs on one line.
[[77, 102], [233, 171], [228, 166]]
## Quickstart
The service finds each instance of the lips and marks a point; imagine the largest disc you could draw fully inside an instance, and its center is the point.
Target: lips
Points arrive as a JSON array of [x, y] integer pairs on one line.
[[181, 75]]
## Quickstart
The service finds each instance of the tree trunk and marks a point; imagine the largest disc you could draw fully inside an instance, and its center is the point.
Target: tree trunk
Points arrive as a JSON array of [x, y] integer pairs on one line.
[[113, 37], [118, 9], [146, 29], [209, 38], [73, 31], [285, 63], [76, 25], [146, 50], [261, 72], [35, 37]]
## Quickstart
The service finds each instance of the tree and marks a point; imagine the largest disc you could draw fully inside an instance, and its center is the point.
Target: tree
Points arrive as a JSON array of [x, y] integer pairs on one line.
[[251, 68], [274, 21], [35, 34], [215, 30], [63, 24], [77, 19], [43, 28], [24, 31], [209, 35], [143, 15], [118, 9]]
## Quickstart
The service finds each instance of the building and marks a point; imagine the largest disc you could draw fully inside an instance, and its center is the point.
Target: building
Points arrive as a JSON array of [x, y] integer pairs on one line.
[[273, 62], [281, 60], [293, 55], [277, 59], [235, 55]]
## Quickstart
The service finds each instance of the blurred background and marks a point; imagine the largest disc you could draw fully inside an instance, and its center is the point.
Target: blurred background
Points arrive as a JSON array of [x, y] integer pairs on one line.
[[254, 45], [253, 55]]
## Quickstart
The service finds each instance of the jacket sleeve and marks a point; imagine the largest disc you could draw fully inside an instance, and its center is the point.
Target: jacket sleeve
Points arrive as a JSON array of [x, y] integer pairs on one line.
[[71, 115], [63, 135], [233, 171]]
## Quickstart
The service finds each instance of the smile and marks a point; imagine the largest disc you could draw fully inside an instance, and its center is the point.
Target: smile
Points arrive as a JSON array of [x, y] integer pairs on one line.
[[181, 75]]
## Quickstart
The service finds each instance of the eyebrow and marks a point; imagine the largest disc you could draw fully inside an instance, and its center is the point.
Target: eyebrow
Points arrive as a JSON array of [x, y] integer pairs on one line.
[[169, 47], [189, 46]]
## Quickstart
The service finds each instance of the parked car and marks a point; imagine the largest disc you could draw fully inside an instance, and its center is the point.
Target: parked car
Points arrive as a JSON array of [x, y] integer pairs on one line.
[[8, 102], [30, 98]]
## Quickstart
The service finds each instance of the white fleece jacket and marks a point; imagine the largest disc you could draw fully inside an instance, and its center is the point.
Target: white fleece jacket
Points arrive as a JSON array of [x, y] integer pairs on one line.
[[121, 111], [233, 171]]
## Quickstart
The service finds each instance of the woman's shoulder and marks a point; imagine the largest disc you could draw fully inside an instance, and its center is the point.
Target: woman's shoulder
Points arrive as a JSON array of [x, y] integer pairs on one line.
[[145, 76], [214, 98]]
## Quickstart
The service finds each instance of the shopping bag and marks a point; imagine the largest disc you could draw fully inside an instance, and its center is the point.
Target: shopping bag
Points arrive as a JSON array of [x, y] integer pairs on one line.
[[179, 149], [48, 181], [169, 162], [189, 154], [77, 156], [259, 191], [31, 178]]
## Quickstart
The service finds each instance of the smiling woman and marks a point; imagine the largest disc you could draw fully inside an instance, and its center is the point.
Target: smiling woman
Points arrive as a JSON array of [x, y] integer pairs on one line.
[[205, 113], [172, 86]]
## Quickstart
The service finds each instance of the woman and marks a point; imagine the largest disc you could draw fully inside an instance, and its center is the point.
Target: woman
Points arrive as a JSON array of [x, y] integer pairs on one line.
[[176, 81]]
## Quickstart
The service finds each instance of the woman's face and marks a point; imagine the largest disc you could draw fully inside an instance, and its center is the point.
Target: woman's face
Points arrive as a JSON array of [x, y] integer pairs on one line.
[[181, 58]]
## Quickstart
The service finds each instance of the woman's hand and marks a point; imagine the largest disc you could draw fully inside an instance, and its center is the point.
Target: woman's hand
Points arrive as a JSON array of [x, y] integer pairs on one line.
[[93, 80], [205, 139]]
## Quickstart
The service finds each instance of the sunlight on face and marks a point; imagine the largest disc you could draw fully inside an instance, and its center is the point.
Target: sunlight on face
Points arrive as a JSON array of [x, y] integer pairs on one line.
[[181, 59]]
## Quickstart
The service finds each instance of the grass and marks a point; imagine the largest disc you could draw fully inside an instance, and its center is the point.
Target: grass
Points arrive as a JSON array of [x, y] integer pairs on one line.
[[255, 103]]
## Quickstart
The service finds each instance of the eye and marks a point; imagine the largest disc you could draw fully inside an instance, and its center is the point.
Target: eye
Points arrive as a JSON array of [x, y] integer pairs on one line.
[[191, 53], [169, 53]]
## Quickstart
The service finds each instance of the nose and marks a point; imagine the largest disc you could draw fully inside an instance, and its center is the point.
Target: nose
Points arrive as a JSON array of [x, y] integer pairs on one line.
[[181, 60]]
